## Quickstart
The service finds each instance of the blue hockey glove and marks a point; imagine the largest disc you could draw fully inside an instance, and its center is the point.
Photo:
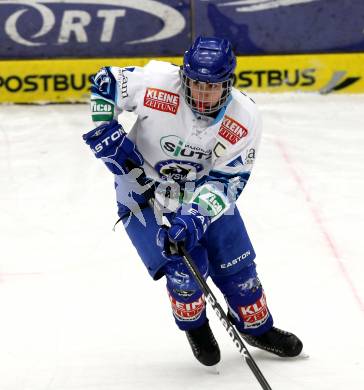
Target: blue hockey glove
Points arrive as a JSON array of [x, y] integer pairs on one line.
[[109, 143], [188, 225]]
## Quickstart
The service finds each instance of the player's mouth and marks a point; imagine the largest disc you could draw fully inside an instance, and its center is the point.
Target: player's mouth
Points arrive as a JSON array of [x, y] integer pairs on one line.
[[203, 106]]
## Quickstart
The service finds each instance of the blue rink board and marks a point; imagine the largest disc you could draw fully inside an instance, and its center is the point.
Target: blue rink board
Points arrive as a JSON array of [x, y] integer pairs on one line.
[[127, 28], [297, 26], [110, 28]]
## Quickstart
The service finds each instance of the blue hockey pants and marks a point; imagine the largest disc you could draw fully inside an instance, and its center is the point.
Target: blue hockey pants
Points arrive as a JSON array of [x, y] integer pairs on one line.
[[225, 254]]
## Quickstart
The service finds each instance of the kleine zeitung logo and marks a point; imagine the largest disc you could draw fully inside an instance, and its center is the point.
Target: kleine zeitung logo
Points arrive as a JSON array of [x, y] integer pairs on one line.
[[231, 130], [161, 100]]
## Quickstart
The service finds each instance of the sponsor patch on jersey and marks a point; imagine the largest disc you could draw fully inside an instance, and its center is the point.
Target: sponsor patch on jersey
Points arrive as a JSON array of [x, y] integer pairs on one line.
[[231, 130], [210, 200], [174, 146], [102, 110], [256, 314], [187, 311], [178, 170], [161, 100]]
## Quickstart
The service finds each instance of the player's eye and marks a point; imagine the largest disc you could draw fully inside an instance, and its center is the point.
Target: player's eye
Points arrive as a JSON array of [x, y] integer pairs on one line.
[[216, 86]]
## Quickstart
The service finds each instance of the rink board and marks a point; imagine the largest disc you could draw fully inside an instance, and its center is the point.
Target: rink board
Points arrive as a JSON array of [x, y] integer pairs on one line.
[[133, 28], [43, 81]]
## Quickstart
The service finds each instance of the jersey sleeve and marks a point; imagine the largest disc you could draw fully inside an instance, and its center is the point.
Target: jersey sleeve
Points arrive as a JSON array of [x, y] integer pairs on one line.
[[218, 192], [113, 90]]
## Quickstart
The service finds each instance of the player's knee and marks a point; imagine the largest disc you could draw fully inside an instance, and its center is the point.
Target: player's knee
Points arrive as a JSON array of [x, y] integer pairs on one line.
[[178, 276], [244, 282], [246, 300]]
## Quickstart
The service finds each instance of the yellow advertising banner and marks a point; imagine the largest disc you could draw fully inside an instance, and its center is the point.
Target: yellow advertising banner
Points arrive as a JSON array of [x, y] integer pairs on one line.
[[60, 81], [322, 73]]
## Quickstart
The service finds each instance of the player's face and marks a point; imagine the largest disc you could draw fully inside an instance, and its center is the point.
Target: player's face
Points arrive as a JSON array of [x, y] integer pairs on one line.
[[205, 95]]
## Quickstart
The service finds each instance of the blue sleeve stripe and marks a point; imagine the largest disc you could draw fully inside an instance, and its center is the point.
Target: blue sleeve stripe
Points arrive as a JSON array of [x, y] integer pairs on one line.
[[229, 181]]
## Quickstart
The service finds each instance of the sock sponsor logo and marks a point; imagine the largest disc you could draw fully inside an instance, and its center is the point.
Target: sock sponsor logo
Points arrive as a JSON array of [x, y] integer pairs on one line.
[[232, 131], [187, 311], [256, 314], [158, 99]]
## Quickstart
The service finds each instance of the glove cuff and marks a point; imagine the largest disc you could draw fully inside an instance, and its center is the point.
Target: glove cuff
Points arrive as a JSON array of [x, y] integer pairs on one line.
[[200, 215]]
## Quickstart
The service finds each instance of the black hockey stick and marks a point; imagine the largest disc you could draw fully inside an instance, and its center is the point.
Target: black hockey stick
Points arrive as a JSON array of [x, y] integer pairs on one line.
[[188, 261], [211, 299]]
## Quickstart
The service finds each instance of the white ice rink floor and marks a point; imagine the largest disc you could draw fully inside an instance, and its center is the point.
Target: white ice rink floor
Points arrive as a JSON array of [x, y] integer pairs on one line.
[[78, 310]]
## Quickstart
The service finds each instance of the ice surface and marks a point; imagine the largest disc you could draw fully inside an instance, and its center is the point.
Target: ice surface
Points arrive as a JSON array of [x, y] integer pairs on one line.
[[78, 310]]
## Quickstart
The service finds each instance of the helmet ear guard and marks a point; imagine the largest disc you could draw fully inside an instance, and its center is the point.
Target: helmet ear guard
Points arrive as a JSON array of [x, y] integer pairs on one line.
[[208, 61]]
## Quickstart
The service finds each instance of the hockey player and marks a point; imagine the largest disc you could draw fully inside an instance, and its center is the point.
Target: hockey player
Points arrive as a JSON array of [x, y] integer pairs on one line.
[[196, 139]]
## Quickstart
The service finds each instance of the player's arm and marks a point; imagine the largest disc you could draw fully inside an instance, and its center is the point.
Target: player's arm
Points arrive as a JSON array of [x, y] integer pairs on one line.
[[113, 90]]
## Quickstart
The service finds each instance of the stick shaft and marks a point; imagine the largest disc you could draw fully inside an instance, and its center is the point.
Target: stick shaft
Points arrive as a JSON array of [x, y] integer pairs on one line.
[[234, 335]]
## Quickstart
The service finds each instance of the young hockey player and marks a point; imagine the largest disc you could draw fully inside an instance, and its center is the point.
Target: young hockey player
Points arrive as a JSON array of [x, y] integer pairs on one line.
[[196, 139]]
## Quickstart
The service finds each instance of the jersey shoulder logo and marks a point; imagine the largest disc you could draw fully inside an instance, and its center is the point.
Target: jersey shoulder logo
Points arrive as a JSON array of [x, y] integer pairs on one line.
[[104, 84], [161, 100], [231, 130]]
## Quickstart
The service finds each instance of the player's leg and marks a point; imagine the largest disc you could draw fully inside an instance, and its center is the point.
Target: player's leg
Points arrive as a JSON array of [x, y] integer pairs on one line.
[[234, 272], [187, 300], [142, 229], [246, 301], [189, 308]]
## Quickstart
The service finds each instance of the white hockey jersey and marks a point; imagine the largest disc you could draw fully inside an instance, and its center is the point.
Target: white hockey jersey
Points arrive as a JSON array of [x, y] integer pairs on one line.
[[210, 159]]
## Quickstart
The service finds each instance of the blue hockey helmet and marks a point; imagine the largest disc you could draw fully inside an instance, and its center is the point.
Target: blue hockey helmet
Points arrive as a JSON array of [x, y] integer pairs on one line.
[[210, 60], [210, 63]]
